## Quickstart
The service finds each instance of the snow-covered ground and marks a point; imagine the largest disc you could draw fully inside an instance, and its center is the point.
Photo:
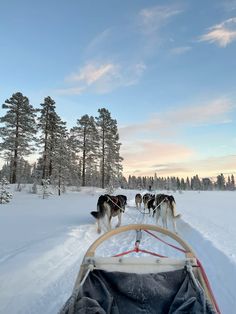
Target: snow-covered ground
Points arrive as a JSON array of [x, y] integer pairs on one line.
[[43, 241]]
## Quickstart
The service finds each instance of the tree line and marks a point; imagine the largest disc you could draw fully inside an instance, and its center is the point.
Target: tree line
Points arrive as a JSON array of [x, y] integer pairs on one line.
[[87, 154], [195, 183]]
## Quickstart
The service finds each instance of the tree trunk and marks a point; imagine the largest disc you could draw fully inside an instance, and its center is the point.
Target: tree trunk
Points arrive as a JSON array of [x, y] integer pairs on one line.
[[14, 168], [45, 156], [103, 158], [84, 155]]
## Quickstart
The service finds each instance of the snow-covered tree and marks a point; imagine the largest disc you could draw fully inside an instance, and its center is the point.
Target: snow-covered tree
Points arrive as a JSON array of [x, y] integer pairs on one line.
[[182, 184], [188, 186], [19, 131], [36, 176], [5, 196], [48, 126], [110, 159], [220, 182], [232, 182], [6, 171], [60, 160], [74, 164], [110, 188], [207, 184], [195, 183], [86, 140], [46, 188]]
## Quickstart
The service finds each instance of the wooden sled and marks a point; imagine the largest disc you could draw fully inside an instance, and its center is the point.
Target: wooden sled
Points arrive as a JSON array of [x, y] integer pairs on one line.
[[141, 284]]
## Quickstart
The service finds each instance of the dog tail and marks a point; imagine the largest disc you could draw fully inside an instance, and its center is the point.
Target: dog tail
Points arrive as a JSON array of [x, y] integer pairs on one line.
[[173, 207], [96, 215], [100, 213]]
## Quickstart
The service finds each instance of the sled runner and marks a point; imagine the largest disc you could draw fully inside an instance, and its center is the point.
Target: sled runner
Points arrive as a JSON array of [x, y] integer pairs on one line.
[[141, 283]]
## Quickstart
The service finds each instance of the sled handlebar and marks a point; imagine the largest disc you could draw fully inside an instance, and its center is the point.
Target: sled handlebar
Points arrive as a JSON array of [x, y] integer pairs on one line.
[[91, 251]]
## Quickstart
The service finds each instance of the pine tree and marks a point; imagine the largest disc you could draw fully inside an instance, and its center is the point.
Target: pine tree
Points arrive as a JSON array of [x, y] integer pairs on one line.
[[45, 188], [228, 184], [178, 184], [85, 137], [49, 125], [19, 131], [110, 160], [195, 183], [6, 171], [188, 186], [182, 184], [60, 159], [220, 182], [5, 196], [232, 182], [36, 176], [74, 165]]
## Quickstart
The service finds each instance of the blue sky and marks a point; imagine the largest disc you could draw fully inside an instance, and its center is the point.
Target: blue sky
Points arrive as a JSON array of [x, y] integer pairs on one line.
[[166, 70]]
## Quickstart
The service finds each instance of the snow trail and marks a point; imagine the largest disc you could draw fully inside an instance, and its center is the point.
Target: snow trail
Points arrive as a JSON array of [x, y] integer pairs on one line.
[[38, 276], [209, 255], [45, 276]]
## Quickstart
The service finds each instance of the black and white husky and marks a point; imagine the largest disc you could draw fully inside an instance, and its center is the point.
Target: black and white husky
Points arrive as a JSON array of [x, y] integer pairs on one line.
[[108, 206], [165, 207], [138, 200]]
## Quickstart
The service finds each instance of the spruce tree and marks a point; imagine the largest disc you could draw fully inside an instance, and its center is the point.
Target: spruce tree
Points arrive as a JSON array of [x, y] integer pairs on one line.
[[220, 182], [19, 131], [232, 182], [5, 196]]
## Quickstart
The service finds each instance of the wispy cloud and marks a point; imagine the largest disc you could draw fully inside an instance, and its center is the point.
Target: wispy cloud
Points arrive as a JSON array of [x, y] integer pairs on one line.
[[152, 152], [92, 73], [211, 166], [213, 112], [161, 162], [153, 18], [103, 77], [180, 50], [160, 155], [98, 40], [222, 34]]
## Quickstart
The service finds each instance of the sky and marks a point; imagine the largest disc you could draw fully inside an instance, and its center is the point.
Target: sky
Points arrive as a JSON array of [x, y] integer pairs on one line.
[[166, 70]]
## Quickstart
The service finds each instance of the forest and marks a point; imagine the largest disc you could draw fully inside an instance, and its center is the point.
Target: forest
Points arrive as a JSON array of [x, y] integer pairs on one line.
[[88, 154]]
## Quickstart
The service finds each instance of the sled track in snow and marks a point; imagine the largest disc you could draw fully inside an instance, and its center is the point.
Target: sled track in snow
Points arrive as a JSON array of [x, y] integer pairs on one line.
[[51, 276], [211, 258], [40, 285], [220, 270]]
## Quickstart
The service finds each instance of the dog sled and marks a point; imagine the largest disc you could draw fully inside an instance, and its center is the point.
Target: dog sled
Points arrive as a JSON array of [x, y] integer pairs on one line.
[[134, 282]]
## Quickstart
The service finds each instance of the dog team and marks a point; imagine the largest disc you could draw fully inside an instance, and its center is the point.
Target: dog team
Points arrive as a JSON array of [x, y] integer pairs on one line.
[[159, 205]]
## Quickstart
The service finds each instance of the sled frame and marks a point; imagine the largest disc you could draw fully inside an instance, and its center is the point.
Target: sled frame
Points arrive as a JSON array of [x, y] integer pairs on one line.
[[89, 261]]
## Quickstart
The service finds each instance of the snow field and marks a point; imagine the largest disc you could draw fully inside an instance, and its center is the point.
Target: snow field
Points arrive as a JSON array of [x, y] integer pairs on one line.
[[43, 242]]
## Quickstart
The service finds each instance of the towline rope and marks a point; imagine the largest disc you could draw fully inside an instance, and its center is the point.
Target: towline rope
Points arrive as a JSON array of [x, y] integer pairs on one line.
[[123, 211], [153, 209]]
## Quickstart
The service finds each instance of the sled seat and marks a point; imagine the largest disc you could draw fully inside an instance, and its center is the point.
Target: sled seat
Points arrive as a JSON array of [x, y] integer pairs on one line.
[[139, 284]]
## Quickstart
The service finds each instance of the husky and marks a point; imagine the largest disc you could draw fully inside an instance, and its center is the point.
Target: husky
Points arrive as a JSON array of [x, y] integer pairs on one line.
[[138, 200], [165, 207], [109, 206], [123, 200], [146, 198]]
